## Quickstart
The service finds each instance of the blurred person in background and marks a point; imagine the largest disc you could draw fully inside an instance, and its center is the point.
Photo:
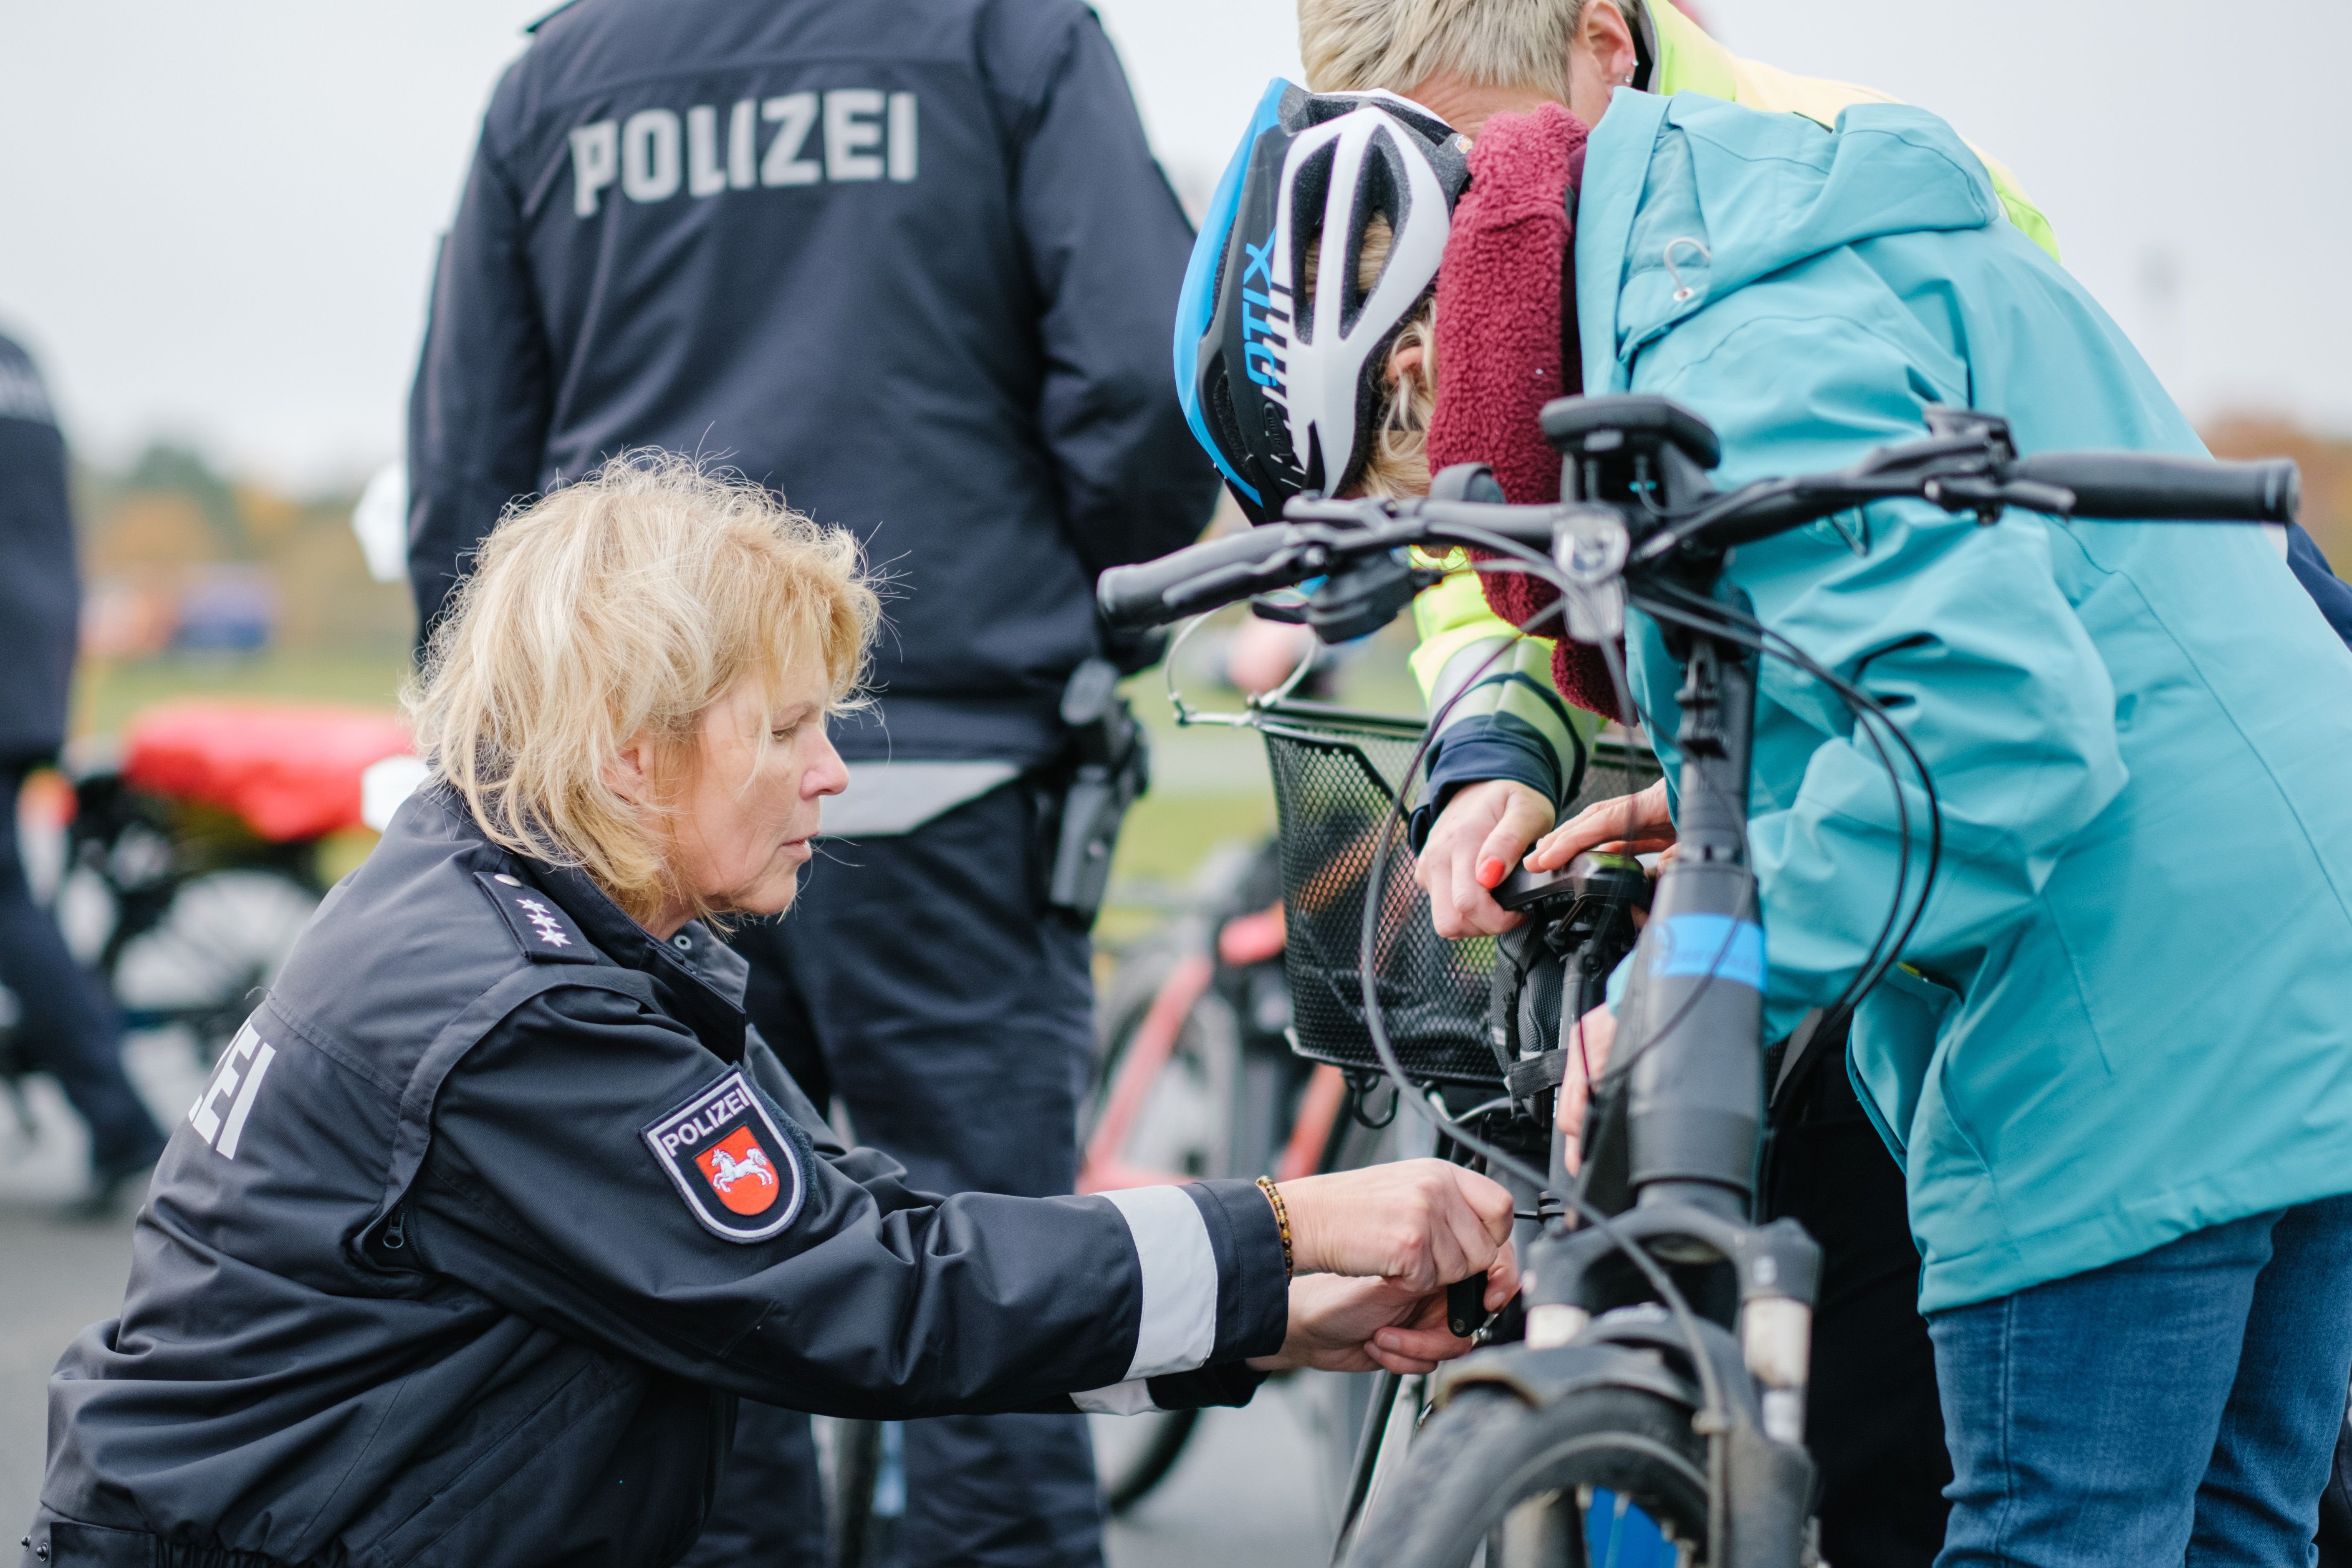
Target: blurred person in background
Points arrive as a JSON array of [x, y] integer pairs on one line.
[[918, 259], [65, 1026]]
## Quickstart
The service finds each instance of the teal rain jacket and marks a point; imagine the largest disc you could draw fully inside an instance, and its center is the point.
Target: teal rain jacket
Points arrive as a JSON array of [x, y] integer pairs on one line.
[[2133, 991]]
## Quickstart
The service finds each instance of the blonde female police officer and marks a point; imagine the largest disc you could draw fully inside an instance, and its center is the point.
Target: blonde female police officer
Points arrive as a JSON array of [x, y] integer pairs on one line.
[[912, 259], [495, 1206]]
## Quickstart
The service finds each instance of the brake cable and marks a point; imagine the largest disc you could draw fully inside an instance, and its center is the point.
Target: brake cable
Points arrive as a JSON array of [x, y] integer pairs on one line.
[[1880, 954]]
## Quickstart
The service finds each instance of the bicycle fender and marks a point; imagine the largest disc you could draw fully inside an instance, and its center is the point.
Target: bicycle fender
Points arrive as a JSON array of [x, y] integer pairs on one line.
[[1538, 1377]]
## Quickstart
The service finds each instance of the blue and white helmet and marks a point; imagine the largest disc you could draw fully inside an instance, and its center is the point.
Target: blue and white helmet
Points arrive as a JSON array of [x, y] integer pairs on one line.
[[1286, 402]]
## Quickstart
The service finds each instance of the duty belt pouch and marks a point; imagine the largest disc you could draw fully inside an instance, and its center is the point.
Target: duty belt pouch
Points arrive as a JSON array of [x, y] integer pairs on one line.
[[1113, 765]]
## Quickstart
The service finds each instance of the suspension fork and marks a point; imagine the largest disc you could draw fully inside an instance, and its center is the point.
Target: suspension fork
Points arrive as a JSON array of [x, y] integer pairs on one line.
[[1693, 1029]]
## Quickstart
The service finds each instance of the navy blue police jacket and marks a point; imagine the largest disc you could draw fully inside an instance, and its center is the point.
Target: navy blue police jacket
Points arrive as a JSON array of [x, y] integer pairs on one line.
[[496, 1206], [40, 592], [908, 262]]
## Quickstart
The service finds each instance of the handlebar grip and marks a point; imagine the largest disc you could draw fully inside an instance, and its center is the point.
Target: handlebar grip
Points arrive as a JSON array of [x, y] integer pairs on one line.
[[2162, 489], [1132, 598]]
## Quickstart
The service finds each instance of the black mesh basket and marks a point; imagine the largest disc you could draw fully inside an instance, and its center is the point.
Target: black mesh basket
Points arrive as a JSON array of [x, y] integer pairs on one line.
[[1336, 774]]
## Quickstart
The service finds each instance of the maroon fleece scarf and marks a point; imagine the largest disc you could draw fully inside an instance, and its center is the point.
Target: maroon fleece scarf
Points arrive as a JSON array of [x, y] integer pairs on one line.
[[1505, 346]]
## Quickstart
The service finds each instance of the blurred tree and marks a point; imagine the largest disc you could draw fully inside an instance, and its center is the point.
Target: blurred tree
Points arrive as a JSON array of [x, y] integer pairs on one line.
[[2326, 472], [171, 528], [171, 468]]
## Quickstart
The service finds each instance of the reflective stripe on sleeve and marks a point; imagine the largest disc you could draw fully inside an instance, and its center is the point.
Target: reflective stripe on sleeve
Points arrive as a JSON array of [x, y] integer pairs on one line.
[[1179, 1327], [1513, 683], [1132, 1397], [1515, 680]]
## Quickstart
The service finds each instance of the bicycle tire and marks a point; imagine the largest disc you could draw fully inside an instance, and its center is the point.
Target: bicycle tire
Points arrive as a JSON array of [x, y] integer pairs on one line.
[[220, 938], [1486, 1453]]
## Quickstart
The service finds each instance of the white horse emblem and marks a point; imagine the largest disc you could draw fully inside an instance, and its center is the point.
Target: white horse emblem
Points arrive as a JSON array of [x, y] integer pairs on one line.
[[727, 1170]]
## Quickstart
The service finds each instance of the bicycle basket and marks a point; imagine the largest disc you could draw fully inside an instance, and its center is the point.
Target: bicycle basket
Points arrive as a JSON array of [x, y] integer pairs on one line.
[[1336, 774]]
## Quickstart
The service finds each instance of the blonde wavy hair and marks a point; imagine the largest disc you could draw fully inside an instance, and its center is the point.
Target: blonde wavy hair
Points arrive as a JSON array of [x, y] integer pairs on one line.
[[621, 606]]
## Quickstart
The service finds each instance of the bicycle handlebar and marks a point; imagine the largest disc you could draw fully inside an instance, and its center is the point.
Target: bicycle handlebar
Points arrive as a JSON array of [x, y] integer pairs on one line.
[[1957, 475], [1133, 597], [1274, 555]]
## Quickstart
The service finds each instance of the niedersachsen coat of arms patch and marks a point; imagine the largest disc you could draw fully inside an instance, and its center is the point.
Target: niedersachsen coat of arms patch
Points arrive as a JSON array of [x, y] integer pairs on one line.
[[738, 1172]]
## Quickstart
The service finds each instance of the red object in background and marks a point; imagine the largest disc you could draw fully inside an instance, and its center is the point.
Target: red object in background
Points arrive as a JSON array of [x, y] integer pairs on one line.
[[289, 771]]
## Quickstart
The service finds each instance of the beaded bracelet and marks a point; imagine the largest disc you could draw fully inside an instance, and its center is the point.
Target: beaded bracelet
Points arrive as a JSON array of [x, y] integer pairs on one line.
[[1281, 1220]]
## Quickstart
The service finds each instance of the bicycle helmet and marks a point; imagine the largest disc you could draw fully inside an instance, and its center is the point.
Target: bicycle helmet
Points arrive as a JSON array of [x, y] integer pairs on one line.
[[1286, 402]]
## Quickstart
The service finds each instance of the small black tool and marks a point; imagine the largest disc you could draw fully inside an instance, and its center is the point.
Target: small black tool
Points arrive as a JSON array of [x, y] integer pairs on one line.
[[1466, 1306]]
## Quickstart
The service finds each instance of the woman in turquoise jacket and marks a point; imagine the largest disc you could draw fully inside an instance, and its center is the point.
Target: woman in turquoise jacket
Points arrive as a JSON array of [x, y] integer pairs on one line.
[[2114, 1066], [2116, 1071]]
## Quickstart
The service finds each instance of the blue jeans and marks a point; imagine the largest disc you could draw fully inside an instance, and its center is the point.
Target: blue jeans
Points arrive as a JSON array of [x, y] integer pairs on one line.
[[2181, 1406]]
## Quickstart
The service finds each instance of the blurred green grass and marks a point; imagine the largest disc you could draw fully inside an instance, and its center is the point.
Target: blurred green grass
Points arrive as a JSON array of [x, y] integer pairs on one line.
[[1210, 783]]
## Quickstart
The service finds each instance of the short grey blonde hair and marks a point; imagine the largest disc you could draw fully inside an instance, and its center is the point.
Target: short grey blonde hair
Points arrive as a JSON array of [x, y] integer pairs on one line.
[[1356, 46], [617, 607]]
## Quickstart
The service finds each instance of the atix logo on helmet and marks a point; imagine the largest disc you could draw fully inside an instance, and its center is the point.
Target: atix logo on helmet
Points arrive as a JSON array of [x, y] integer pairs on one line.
[[734, 1167], [1265, 335]]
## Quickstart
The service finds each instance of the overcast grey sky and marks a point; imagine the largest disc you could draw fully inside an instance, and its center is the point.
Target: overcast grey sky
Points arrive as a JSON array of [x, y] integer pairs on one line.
[[218, 221]]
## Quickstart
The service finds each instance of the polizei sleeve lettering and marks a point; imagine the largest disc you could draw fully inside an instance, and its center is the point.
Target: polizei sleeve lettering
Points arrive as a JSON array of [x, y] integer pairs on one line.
[[594, 1167]]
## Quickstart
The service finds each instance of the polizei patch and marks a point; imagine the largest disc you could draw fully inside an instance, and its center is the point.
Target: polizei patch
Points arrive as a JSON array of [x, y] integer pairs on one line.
[[732, 1164]]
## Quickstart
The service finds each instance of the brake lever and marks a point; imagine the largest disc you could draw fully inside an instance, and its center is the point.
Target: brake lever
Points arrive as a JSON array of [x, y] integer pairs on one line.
[[1288, 613], [1369, 512], [1988, 498]]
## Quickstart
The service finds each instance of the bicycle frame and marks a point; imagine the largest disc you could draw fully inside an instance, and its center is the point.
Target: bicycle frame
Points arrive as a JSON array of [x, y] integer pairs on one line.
[[1689, 1064], [1671, 1268]]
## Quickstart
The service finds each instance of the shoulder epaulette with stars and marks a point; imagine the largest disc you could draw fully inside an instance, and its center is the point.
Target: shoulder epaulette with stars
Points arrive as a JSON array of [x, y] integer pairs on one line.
[[540, 929]]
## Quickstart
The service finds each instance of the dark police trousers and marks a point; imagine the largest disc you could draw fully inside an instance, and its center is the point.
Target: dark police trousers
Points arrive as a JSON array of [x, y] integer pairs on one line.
[[65, 1026], [1872, 1420], [922, 977]]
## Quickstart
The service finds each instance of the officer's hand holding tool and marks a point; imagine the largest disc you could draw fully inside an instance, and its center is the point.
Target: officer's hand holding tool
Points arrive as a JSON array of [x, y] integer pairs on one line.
[[1419, 1224], [1365, 1325]]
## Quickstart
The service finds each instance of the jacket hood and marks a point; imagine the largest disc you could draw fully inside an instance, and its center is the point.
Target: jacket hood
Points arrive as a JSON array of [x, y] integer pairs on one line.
[[1686, 198]]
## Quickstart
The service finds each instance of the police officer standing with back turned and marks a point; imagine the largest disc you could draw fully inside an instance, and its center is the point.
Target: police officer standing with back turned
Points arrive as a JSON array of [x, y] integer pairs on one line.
[[911, 263], [65, 1024]]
